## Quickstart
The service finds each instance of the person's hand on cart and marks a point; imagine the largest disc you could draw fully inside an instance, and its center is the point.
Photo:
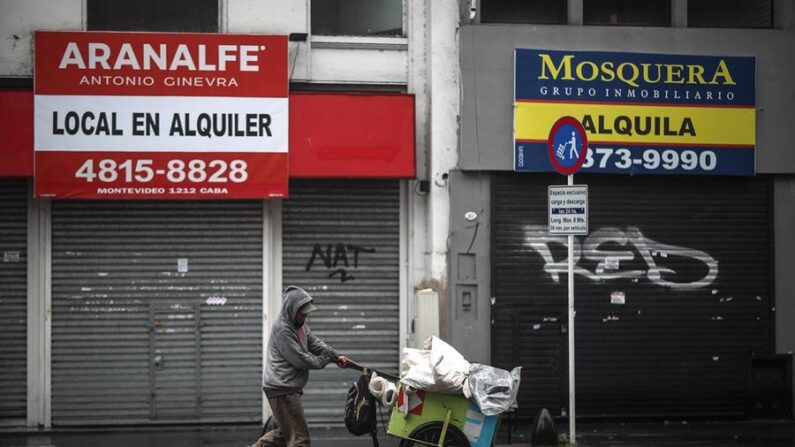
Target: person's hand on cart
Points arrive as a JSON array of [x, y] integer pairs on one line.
[[343, 361]]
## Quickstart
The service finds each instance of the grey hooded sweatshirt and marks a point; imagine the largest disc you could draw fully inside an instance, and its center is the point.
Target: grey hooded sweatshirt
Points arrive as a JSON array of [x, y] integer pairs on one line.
[[293, 351]]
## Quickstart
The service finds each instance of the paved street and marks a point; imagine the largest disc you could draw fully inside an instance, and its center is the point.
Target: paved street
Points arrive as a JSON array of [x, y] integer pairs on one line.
[[656, 434]]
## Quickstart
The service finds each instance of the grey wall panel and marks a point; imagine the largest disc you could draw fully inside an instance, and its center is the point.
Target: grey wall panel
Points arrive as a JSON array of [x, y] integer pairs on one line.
[[341, 243], [784, 203], [136, 340], [673, 293], [470, 264], [13, 298], [487, 77]]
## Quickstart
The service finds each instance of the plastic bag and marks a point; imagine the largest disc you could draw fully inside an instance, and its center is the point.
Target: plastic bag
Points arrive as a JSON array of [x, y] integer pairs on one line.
[[493, 389], [438, 367]]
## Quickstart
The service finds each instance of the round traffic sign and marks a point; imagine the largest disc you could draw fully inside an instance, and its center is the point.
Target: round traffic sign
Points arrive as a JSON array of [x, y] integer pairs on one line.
[[567, 145]]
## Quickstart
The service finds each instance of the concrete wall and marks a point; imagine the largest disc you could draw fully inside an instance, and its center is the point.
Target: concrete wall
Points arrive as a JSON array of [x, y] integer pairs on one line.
[[487, 70], [320, 59], [18, 20]]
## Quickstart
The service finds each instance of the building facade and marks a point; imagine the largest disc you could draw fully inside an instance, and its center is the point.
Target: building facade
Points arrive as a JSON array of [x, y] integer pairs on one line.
[[682, 284], [157, 311]]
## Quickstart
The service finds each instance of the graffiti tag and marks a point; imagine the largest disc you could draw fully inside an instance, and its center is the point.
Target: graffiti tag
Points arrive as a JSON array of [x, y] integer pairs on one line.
[[609, 262], [335, 258]]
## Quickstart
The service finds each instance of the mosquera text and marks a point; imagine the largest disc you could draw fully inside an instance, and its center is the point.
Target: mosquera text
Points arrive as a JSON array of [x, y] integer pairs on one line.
[[566, 68]]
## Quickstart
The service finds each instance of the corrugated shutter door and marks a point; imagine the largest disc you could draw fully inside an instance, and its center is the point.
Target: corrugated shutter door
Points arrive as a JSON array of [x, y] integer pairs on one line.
[[13, 298], [672, 293], [341, 243], [136, 338]]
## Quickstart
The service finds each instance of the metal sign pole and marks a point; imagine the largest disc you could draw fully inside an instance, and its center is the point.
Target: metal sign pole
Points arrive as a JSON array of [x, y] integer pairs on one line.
[[568, 214], [572, 434]]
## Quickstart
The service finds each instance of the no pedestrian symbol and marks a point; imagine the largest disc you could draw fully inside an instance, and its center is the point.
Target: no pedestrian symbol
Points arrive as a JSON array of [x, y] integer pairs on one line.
[[567, 145]]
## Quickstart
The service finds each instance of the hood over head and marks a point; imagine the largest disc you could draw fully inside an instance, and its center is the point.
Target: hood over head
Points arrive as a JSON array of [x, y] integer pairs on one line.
[[293, 298]]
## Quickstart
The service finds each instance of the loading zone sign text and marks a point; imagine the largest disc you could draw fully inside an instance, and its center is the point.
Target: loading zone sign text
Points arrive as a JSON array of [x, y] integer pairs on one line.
[[568, 209]]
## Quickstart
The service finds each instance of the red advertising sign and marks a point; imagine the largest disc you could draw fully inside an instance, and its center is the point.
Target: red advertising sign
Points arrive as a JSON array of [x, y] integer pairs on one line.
[[348, 135], [16, 127], [156, 115]]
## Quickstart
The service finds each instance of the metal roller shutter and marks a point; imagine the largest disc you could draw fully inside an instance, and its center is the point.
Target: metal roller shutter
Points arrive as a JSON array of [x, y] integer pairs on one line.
[[136, 338], [673, 293], [13, 298], [341, 243]]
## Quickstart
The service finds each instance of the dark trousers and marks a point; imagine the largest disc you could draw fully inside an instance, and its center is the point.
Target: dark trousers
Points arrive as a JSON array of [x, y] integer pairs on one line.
[[293, 431]]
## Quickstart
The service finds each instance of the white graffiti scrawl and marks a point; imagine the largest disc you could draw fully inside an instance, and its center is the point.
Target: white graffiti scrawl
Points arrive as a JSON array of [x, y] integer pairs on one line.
[[609, 262]]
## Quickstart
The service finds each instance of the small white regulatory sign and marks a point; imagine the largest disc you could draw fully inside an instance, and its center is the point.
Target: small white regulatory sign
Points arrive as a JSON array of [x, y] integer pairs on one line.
[[568, 209], [182, 265], [617, 297]]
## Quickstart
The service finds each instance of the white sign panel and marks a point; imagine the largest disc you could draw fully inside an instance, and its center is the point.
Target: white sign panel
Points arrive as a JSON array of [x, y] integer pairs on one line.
[[161, 124], [568, 209]]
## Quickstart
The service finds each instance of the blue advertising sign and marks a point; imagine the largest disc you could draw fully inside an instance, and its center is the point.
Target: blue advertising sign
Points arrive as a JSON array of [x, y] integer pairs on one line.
[[642, 113]]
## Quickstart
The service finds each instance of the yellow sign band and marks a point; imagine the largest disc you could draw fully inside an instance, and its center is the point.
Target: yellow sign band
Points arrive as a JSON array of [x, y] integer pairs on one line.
[[621, 123]]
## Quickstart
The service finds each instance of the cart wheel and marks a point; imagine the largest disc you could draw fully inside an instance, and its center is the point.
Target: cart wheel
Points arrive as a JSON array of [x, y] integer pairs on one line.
[[429, 434]]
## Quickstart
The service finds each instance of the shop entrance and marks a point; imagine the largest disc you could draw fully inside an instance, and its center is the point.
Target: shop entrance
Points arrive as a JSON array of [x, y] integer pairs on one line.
[[157, 312], [673, 293]]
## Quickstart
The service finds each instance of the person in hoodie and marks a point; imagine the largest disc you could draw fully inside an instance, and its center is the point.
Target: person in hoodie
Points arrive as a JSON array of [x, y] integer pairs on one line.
[[292, 351]]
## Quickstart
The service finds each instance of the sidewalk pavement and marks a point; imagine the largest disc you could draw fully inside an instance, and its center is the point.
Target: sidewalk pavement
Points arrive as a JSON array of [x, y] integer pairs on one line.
[[680, 433], [591, 434], [172, 436]]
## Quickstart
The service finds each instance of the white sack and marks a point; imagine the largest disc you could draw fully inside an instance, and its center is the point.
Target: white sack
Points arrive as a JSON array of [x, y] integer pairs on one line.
[[438, 367], [416, 368]]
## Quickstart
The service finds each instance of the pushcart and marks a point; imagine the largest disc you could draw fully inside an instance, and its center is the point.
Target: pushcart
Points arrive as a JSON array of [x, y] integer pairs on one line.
[[436, 419], [424, 418]]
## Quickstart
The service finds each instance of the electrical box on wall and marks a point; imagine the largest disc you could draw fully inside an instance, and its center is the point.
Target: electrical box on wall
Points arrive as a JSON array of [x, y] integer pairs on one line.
[[466, 290], [426, 322], [466, 306]]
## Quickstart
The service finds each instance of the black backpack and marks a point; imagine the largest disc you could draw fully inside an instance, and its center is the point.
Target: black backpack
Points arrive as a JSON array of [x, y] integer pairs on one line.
[[360, 418]]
